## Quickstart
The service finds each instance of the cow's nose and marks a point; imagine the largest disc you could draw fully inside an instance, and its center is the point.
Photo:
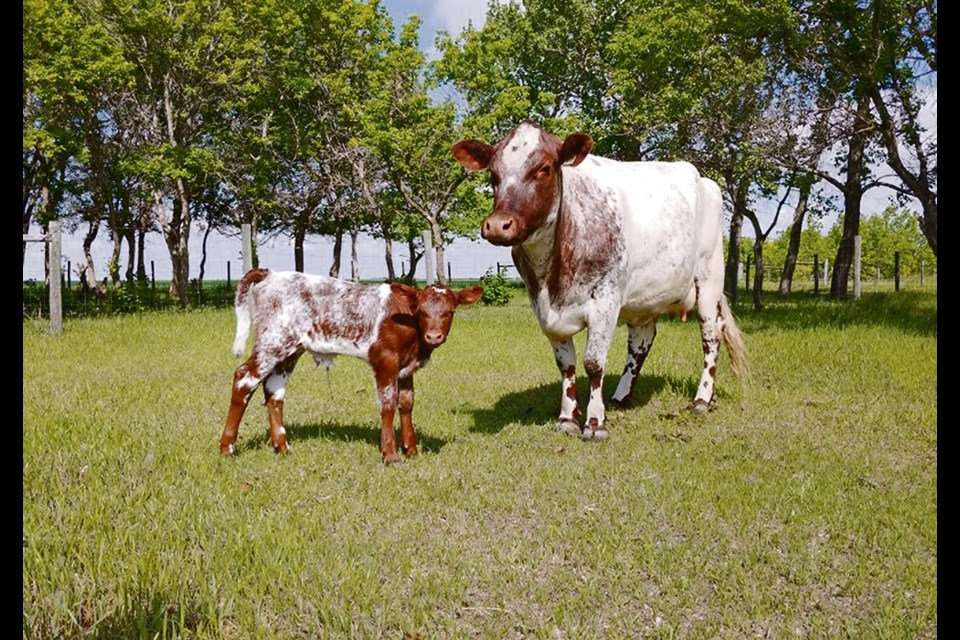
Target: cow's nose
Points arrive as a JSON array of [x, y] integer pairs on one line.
[[496, 227], [433, 337]]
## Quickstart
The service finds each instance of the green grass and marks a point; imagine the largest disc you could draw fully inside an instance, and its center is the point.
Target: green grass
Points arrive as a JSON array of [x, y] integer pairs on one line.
[[805, 505]]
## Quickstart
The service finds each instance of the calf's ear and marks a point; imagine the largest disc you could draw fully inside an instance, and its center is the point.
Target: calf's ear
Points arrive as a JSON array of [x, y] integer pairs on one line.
[[469, 295], [575, 148], [407, 297], [472, 154]]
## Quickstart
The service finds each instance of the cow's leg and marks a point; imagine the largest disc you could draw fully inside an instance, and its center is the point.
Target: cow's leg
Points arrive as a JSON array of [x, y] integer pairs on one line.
[[639, 342], [274, 390], [709, 311], [600, 333], [566, 357], [246, 379], [387, 392], [407, 435]]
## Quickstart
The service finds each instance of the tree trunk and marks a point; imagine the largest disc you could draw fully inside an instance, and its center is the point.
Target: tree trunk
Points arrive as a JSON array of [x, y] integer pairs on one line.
[[337, 250], [354, 262], [388, 257], [793, 247], [115, 259], [438, 246], [299, 237], [733, 256], [88, 268], [130, 236], [758, 273], [411, 273], [203, 258], [852, 196], [141, 258]]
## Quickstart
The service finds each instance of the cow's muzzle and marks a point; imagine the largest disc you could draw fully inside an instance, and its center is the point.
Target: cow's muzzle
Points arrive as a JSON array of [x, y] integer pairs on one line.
[[502, 229]]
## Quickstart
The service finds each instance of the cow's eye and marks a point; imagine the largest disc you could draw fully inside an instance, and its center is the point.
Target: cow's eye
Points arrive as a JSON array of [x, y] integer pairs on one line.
[[544, 171]]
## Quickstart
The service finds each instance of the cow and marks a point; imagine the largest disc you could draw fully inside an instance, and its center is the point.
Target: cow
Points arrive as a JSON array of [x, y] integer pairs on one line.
[[394, 327], [597, 240]]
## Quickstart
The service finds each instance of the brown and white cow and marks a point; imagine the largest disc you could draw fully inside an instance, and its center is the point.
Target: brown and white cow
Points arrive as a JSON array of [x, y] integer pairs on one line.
[[597, 240], [393, 327]]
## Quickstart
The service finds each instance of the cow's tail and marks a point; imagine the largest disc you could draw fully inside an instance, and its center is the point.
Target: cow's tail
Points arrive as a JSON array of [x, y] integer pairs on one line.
[[736, 348], [242, 305]]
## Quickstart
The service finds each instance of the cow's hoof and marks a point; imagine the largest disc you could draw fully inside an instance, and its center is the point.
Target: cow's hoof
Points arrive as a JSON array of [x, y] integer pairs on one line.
[[594, 434], [699, 407], [226, 450], [392, 459], [569, 427], [594, 430]]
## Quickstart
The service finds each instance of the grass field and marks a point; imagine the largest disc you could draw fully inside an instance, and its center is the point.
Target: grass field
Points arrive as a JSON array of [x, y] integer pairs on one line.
[[804, 506]]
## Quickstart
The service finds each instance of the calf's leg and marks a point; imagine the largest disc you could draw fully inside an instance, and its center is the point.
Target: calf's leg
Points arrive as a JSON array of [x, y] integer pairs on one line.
[[407, 435], [246, 379], [274, 391], [387, 398]]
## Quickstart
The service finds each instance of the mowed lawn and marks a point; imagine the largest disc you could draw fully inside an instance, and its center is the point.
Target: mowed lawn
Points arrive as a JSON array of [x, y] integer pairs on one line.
[[803, 506]]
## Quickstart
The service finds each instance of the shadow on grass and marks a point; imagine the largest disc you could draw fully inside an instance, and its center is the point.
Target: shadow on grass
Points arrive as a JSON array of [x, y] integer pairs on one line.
[[913, 312], [338, 432], [541, 405]]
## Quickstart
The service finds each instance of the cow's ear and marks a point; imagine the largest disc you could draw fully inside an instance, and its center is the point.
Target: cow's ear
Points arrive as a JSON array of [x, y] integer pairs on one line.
[[575, 148], [407, 297], [472, 154], [469, 295]]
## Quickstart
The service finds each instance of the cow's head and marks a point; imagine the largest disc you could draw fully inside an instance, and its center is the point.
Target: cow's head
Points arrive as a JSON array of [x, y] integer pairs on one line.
[[525, 174], [433, 308]]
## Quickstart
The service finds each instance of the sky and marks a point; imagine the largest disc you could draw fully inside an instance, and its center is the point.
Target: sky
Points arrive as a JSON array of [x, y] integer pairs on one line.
[[466, 258]]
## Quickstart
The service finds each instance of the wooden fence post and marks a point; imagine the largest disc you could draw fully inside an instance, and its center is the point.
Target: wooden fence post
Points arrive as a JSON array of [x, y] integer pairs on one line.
[[896, 271]]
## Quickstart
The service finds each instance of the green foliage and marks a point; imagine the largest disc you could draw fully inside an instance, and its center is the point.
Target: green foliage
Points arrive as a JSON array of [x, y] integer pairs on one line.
[[805, 504], [496, 290]]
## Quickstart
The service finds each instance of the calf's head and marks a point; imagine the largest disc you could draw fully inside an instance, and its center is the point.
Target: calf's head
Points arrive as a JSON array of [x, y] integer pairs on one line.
[[432, 308], [525, 175]]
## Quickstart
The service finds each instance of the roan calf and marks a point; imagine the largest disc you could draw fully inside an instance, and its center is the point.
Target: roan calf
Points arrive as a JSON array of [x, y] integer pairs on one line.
[[392, 326]]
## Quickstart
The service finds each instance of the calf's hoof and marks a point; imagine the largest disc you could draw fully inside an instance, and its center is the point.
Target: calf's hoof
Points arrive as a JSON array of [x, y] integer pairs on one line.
[[569, 427], [392, 459], [699, 407], [226, 449], [622, 403]]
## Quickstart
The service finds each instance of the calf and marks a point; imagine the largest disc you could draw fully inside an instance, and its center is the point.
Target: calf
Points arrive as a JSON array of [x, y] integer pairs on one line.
[[393, 327]]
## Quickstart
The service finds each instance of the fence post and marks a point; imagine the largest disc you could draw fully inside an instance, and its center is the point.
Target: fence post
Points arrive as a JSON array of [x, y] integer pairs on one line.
[[746, 280], [153, 276], [921, 272], [816, 273], [228, 274], [896, 271], [56, 299], [449, 273], [856, 267]]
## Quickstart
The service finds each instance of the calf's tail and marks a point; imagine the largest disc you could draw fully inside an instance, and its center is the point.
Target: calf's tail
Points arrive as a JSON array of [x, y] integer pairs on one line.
[[242, 305], [732, 337]]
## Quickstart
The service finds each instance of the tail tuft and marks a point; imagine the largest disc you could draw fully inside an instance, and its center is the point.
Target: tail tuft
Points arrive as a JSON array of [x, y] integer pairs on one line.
[[736, 348], [242, 307]]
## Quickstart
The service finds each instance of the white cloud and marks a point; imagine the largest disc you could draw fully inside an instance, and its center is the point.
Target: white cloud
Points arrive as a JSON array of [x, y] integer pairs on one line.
[[454, 15]]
